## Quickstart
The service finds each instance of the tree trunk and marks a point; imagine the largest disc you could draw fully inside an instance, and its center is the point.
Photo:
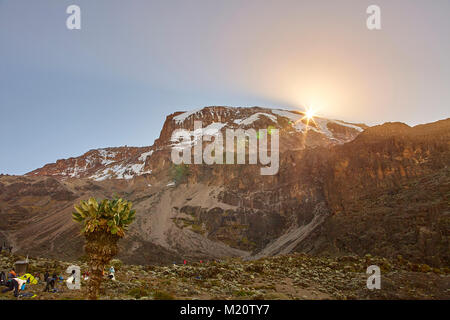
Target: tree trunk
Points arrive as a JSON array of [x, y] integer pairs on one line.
[[100, 248]]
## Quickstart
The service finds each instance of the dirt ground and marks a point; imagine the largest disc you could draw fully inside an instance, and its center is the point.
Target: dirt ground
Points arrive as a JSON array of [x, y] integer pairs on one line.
[[288, 277]]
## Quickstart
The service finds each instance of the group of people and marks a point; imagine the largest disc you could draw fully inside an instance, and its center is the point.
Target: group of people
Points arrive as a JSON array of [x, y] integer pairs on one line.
[[50, 282], [12, 282]]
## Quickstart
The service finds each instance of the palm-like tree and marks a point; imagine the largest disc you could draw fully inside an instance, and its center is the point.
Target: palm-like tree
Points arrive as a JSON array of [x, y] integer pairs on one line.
[[104, 223]]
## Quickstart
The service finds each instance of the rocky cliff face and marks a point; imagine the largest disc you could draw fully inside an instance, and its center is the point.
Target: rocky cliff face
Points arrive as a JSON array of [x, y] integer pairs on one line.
[[129, 162], [389, 192], [341, 188], [100, 164]]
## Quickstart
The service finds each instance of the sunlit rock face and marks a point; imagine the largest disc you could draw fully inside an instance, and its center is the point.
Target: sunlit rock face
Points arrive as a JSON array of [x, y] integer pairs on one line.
[[388, 192], [341, 188], [129, 162]]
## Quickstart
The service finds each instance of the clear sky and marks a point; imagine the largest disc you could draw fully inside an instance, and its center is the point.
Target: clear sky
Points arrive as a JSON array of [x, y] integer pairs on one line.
[[112, 83]]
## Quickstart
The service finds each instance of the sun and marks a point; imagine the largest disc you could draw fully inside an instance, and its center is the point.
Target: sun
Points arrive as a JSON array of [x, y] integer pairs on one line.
[[308, 116], [310, 113]]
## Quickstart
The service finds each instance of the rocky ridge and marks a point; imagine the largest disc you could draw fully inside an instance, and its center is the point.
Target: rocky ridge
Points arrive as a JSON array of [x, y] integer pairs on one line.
[[383, 191]]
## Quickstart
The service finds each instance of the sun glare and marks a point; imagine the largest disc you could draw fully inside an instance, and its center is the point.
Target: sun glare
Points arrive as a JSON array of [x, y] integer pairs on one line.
[[310, 113]]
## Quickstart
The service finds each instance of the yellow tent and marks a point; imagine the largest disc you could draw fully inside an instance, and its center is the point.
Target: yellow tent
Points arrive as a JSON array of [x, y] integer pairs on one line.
[[30, 279]]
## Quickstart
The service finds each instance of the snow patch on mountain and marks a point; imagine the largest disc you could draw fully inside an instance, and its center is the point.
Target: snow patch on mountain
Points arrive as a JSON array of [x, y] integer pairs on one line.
[[181, 117], [321, 124], [120, 171], [253, 118], [322, 127], [107, 157], [212, 130], [341, 123], [295, 118], [144, 156]]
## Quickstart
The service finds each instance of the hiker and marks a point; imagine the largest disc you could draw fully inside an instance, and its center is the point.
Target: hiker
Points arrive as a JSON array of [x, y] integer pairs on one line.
[[12, 273], [16, 285], [71, 278], [10, 249], [112, 273], [2, 278], [50, 283], [37, 277], [46, 275], [86, 276]]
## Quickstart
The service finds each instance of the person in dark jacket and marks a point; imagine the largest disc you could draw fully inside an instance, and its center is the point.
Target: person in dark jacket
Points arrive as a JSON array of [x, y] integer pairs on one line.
[[50, 283], [14, 284], [3, 278]]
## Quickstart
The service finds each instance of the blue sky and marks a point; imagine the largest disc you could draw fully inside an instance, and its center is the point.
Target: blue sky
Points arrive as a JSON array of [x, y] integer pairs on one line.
[[113, 82]]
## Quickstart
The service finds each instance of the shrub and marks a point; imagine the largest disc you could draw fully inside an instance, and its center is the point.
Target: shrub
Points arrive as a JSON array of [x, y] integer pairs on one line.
[[243, 293], [138, 293], [179, 173], [161, 295]]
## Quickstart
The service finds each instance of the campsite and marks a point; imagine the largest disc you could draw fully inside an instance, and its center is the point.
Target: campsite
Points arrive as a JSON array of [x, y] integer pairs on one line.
[[291, 277]]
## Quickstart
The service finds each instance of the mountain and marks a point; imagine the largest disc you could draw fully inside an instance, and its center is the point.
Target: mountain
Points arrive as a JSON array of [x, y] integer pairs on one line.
[[129, 162], [341, 188]]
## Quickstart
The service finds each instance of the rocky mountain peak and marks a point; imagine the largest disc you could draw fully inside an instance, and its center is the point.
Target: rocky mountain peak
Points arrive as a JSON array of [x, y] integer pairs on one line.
[[129, 162]]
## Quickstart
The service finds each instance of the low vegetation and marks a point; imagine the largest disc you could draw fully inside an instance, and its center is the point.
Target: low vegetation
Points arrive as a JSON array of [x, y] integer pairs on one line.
[[295, 276]]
